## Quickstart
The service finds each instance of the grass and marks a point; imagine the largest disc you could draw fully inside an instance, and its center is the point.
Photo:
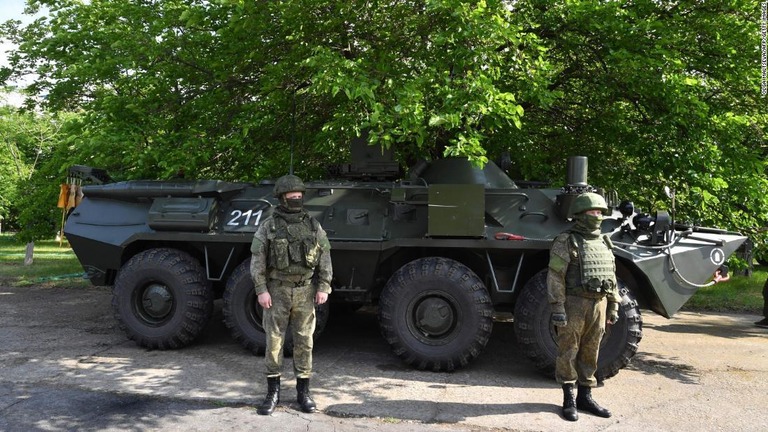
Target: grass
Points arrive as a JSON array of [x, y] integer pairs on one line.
[[738, 294], [57, 265], [53, 264]]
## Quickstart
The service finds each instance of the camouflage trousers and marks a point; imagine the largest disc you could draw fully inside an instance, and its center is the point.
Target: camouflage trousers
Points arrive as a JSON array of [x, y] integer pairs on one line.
[[292, 306], [578, 342]]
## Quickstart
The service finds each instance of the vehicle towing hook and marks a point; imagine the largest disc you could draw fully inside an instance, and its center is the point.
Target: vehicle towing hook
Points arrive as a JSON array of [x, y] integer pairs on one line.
[[508, 236]]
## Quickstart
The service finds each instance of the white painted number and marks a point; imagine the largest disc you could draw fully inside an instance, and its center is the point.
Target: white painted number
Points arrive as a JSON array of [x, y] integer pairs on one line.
[[241, 218]]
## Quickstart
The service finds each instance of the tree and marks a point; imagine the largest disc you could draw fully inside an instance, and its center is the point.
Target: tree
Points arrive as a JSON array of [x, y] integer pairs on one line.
[[26, 140], [654, 92], [171, 83]]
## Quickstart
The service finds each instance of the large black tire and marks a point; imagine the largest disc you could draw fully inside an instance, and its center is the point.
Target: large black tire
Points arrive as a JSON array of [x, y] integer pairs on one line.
[[536, 335], [243, 315], [162, 299], [436, 314]]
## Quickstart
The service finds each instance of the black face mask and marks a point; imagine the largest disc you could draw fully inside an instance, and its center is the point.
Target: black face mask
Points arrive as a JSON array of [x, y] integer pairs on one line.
[[294, 204]]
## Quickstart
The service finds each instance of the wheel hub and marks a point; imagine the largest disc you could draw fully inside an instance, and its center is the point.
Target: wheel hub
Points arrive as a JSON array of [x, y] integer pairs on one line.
[[434, 316], [157, 301]]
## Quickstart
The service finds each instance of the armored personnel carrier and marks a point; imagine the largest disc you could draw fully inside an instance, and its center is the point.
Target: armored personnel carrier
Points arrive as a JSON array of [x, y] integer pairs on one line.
[[443, 252]]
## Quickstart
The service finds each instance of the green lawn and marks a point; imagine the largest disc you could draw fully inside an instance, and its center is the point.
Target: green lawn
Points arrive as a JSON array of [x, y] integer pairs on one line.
[[56, 264], [738, 294], [52, 264]]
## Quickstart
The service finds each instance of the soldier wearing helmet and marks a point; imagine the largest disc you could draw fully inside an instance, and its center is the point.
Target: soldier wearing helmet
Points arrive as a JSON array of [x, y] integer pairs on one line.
[[291, 272], [584, 296]]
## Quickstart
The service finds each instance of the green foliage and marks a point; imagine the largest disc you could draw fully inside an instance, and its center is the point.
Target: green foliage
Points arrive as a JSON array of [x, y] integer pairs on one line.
[[170, 84], [13, 164], [28, 140], [39, 218], [429, 78], [655, 92], [739, 294], [8, 193]]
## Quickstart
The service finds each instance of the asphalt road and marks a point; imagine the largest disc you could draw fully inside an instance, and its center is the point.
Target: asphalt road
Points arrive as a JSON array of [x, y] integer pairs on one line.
[[65, 365]]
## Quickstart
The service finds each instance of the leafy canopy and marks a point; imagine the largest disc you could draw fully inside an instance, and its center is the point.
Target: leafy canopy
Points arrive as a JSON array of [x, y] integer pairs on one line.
[[655, 92]]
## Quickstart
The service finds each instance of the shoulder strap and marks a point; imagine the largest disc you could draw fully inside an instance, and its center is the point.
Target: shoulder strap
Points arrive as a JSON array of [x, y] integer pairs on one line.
[[272, 223], [576, 240], [315, 223]]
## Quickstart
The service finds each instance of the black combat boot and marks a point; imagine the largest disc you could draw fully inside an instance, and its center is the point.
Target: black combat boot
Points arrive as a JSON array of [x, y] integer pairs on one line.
[[272, 398], [302, 396], [569, 403], [585, 402]]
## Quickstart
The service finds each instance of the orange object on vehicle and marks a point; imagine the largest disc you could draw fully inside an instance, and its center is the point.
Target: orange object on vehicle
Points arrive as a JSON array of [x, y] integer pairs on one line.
[[71, 196], [63, 195]]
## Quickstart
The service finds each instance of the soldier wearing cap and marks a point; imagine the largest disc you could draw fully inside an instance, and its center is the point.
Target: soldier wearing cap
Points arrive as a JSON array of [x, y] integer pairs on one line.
[[291, 272], [583, 295]]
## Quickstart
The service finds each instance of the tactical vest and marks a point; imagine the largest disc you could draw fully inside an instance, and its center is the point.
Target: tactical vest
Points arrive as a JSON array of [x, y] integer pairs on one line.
[[594, 271], [294, 251]]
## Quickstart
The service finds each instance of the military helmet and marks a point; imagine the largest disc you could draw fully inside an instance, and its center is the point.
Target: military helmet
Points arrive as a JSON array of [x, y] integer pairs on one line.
[[288, 183], [589, 201]]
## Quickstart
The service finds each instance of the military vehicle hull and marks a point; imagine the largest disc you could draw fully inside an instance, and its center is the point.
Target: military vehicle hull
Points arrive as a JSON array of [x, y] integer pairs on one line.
[[442, 255]]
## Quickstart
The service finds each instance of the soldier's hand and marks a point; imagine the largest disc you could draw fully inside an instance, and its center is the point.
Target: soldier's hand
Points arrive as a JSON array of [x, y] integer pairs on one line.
[[265, 300], [612, 314], [321, 297], [613, 317], [559, 319]]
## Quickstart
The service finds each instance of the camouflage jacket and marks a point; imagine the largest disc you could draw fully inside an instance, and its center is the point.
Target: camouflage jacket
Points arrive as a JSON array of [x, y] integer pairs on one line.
[[563, 252], [315, 254]]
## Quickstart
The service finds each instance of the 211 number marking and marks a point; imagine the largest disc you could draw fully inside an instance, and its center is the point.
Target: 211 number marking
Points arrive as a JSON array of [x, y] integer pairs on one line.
[[241, 218]]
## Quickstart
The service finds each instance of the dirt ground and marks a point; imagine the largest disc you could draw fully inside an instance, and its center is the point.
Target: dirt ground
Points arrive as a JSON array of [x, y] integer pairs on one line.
[[65, 365]]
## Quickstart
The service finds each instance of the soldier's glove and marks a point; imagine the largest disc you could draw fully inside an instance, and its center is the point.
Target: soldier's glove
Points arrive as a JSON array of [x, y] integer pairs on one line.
[[559, 319], [613, 313], [613, 317]]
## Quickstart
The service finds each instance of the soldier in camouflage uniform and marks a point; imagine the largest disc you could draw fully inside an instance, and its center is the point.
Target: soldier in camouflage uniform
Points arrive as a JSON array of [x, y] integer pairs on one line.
[[291, 271], [764, 322], [583, 294]]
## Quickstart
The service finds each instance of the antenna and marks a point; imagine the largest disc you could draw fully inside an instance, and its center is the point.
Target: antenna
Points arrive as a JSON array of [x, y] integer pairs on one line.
[[293, 128], [293, 119], [671, 194]]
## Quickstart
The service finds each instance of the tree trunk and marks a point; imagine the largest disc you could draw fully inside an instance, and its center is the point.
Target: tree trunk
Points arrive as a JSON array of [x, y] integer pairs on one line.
[[30, 253]]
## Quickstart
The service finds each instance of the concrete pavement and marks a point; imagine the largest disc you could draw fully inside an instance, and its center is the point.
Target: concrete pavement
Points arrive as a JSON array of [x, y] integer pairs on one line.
[[64, 365]]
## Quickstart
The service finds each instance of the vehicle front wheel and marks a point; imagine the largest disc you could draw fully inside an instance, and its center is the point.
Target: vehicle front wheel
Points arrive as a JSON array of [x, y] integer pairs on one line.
[[436, 314], [162, 299], [536, 335]]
